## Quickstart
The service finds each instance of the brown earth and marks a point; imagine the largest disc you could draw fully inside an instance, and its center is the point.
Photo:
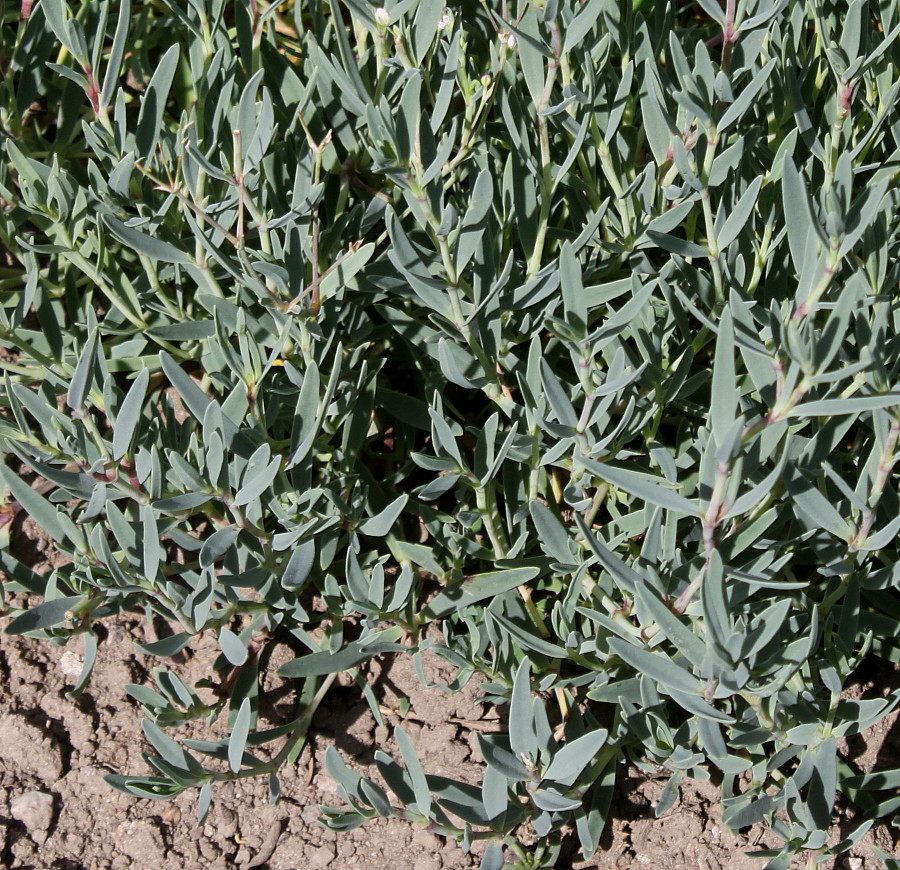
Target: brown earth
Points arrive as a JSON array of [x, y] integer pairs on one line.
[[57, 813]]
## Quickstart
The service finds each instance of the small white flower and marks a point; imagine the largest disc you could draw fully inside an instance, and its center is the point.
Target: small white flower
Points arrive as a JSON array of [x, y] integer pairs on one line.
[[382, 17], [446, 21]]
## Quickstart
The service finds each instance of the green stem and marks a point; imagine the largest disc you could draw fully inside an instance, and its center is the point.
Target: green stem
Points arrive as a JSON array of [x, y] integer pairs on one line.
[[546, 179], [472, 129], [100, 281], [808, 305], [487, 507], [760, 260], [292, 747], [886, 463]]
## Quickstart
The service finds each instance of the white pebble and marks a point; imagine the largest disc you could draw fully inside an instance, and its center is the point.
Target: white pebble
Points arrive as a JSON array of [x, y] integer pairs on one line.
[[34, 809]]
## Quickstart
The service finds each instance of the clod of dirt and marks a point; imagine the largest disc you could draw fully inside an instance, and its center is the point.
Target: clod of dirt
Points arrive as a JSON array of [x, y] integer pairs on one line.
[[226, 825], [321, 858], [42, 759], [34, 809], [141, 841]]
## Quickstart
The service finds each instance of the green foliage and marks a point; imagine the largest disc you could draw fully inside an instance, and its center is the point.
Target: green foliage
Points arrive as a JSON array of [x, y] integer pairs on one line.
[[570, 327]]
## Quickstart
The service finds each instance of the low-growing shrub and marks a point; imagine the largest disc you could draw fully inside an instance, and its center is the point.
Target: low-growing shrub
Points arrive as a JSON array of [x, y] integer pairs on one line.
[[568, 328]]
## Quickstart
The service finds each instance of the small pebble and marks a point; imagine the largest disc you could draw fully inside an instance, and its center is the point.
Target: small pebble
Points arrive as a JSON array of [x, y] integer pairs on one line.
[[70, 663], [34, 809]]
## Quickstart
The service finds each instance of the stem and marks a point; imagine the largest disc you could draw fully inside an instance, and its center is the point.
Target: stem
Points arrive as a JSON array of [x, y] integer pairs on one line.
[[495, 390], [153, 278], [170, 188], [313, 287], [693, 587], [711, 518], [478, 122], [380, 69], [546, 179], [238, 181], [256, 39], [756, 705], [781, 409], [712, 244], [596, 504], [401, 50], [885, 466], [486, 501], [760, 261], [291, 748], [729, 37], [315, 297], [808, 305], [487, 507], [86, 267]]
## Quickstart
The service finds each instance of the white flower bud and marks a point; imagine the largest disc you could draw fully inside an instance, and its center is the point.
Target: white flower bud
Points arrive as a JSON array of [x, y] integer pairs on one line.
[[382, 17], [510, 40], [485, 80]]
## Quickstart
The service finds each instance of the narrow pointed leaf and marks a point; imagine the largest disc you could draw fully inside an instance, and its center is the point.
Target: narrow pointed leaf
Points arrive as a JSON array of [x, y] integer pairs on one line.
[[237, 742], [414, 768], [641, 487]]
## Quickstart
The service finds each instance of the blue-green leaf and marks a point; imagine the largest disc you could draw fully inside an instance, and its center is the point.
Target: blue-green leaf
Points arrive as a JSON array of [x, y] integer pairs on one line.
[[676, 245], [522, 735], [502, 760], [55, 522], [657, 666], [44, 615], [552, 801], [232, 647], [821, 511], [129, 414], [723, 407], [216, 545], [188, 501], [83, 374], [493, 857], [379, 525], [567, 764], [237, 742], [551, 533], [299, 565], [801, 229], [355, 653], [672, 627], [153, 103], [739, 107], [458, 595], [474, 223], [414, 768], [740, 214], [641, 487]]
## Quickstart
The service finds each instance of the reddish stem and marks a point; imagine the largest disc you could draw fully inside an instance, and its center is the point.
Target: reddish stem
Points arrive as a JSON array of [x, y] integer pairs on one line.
[[92, 90], [845, 95]]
